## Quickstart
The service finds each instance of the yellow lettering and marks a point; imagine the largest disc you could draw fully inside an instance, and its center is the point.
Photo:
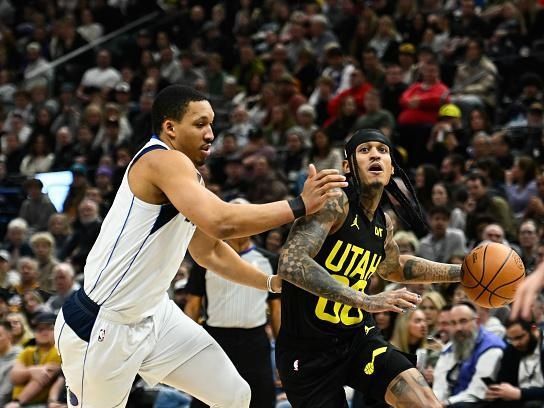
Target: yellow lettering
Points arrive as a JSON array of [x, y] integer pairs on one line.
[[361, 266], [373, 266], [356, 252], [378, 231], [328, 263]]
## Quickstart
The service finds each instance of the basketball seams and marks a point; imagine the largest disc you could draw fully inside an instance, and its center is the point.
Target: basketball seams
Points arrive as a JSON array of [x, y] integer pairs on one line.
[[494, 276], [465, 266]]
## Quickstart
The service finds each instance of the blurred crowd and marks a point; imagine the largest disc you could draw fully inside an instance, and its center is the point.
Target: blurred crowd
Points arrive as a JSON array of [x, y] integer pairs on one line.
[[456, 84]]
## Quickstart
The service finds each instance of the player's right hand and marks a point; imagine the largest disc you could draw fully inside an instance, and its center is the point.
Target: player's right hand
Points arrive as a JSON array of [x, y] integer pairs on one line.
[[527, 293], [398, 301], [318, 187]]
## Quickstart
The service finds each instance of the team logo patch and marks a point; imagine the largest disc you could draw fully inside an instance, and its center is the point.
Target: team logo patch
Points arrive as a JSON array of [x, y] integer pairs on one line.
[[369, 368], [73, 399], [101, 335]]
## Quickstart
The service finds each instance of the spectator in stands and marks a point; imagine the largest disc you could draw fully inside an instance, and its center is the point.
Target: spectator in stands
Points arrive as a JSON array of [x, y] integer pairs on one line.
[[375, 117], [88, 28], [357, 90], [15, 241], [102, 77], [64, 285], [13, 152], [37, 207], [475, 78], [37, 367], [39, 158], [8, 277], [339, 127], [64, 149], [447, 135], [59, 228], [337, 68], [20, 329], [43, 246], [500, 149], [489, 322], [473, 354], [494, 233], [441, 196], [323, 154], [483, 203], [442, 242], [385, 321], [425, 178], [420, 105], [386, 39], [8, 354], [37, 68], [443, 331], [86, 230], [520, 381], [521, 185], [531, 92], [266, 186], [431, 304], [34, 304], [392, 90], [320, 34], [76, 191], [528, 242], [305, 122], [372, 67]]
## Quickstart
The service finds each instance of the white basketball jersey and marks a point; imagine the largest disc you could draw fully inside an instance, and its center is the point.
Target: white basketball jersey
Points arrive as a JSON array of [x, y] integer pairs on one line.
[[138, 251]]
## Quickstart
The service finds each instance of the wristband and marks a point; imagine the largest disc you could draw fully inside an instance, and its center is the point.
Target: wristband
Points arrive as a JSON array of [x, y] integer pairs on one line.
[[297, 206], [269, 284]]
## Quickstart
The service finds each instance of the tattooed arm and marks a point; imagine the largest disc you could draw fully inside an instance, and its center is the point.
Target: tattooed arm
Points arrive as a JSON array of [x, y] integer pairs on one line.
[[412, 269], [297, 266]]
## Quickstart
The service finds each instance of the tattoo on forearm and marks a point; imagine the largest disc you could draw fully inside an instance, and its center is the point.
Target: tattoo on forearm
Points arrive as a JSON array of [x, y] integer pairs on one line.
[[419, 270], [304, 242]]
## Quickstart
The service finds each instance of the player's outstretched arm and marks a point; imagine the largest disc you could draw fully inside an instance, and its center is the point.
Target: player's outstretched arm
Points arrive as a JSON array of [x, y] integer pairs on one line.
[[297, 266], [527, 293], [412, 269], [218, 257], [174, 175]]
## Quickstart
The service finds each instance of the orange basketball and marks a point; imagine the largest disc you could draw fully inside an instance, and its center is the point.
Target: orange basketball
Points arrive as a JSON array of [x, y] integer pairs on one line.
[[491, 274]]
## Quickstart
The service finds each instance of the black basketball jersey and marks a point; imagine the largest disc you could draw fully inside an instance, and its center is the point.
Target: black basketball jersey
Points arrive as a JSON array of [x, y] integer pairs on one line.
[[351, 255]]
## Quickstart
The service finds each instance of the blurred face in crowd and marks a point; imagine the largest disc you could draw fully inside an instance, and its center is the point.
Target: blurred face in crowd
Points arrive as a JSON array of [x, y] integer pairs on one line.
[[294, 142], [58, 224], [459, 295], [439, 195], [439, 223], [62, 279], [28, 270], [356, 78], [417, 326], [475, 189], [473, 51], [464, 326], [44, 334], [528, 237], [16, 235], [493, 233], [522, 340], [348, 106], [103, 59], [261, 167], [430, 73], [372, 102], [383, 320], [443, 325], [430, 310], [42, 249], [405, 247], [88, 211], [274, 241]]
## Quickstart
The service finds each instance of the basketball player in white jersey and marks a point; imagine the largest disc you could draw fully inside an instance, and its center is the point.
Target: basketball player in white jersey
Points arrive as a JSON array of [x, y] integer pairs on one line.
[[122, 323]]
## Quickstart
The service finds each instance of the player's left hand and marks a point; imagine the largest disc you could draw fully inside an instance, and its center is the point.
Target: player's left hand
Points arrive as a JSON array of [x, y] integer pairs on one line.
[[318, 187], [527, 293], [503, 391]]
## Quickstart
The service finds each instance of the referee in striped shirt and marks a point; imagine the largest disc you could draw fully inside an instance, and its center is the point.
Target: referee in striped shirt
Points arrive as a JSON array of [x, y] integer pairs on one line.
[[236, 317]]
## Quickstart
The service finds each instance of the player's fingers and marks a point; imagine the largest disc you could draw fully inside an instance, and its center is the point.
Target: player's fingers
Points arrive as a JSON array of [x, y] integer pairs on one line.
[[325, 172], [395, 309], [329, 179], [405, 304], [332, 194], [311, 171]]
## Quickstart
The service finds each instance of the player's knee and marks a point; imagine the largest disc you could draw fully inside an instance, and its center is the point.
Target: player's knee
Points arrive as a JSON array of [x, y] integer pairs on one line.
[[239, 396]]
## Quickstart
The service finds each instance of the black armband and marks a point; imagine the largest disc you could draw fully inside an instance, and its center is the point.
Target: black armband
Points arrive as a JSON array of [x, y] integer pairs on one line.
[[297, 206]]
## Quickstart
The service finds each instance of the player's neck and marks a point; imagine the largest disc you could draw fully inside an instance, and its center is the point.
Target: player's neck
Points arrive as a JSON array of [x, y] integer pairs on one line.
[[369, 202]]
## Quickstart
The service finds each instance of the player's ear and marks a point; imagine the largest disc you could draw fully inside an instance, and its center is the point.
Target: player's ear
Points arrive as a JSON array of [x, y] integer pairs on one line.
[[168, 128], [345, 166]]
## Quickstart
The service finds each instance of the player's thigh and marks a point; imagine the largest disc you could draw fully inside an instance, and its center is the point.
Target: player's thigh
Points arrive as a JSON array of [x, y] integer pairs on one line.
[[99, 372], [178, 339], [212, 378], [313, 379], [374, 364]]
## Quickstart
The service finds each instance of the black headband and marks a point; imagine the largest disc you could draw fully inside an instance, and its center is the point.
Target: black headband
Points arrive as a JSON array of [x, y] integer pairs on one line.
[[363, 136]]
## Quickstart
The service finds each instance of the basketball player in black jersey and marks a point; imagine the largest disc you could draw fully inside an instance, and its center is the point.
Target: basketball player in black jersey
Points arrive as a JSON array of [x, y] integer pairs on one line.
[[328, 338]]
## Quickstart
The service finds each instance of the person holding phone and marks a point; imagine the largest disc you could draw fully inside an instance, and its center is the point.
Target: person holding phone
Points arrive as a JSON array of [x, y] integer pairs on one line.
[[520, 381]]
